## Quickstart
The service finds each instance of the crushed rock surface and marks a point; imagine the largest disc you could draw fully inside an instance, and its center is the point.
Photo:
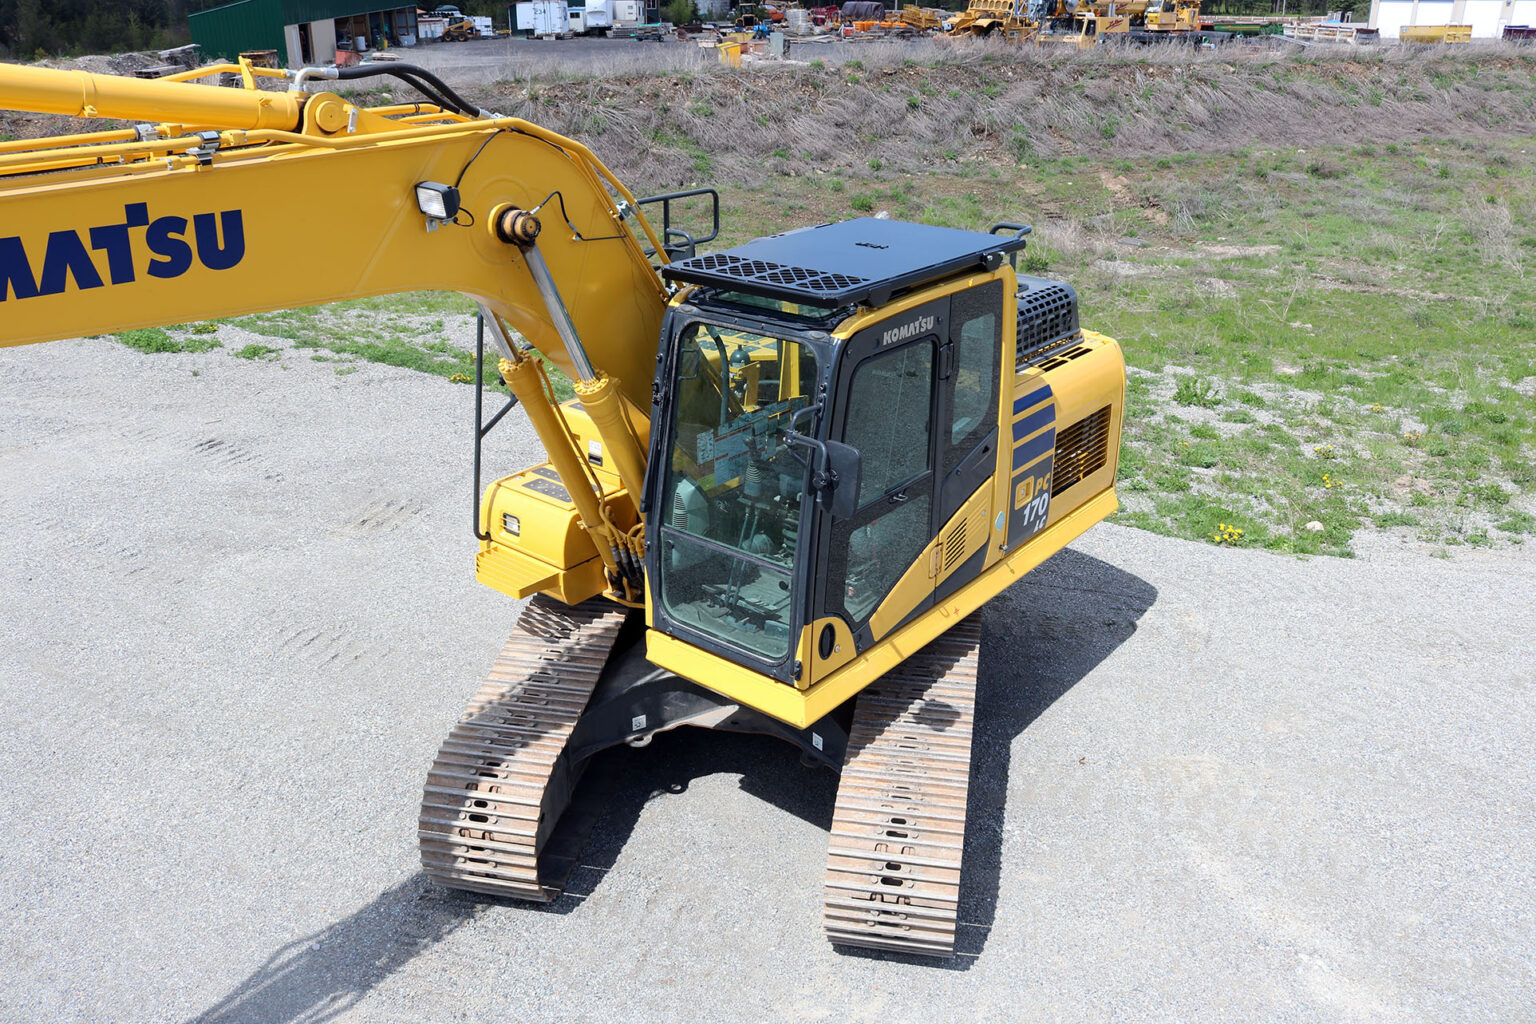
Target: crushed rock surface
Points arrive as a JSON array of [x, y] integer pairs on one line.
[[239, 614]]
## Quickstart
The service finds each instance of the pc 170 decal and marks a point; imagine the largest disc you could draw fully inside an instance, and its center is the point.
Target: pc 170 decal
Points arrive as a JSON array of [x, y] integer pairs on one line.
[[1031, 502]]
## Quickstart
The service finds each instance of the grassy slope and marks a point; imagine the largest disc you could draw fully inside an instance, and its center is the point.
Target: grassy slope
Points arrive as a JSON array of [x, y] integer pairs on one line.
[[1333, 336], [1331, 328]]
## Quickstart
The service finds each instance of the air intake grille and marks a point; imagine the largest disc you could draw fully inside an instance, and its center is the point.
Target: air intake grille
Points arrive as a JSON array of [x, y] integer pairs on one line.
[[1047, 317], [963, 538], [766, 272], [1081, 450], [954, 546]]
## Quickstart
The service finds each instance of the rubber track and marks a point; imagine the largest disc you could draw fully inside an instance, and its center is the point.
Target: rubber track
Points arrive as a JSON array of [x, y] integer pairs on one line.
[[898, 830], [500, 783]]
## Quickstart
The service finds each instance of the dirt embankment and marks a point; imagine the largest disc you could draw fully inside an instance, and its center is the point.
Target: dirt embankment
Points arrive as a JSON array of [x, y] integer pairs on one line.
[[742, 125], [921, 108]]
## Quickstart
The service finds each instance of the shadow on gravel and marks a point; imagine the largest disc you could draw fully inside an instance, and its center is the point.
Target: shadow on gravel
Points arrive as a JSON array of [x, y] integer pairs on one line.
[[1039, 639], [769, 770], [321, 976]]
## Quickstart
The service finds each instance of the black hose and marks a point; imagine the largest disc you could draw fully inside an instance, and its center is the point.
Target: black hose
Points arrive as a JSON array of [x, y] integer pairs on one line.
[[424, 81], [430, 93], [422, 87]]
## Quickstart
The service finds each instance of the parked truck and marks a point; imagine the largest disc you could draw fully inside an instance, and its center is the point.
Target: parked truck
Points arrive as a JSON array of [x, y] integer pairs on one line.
[[542, 19], [590, 20], [605, 17]]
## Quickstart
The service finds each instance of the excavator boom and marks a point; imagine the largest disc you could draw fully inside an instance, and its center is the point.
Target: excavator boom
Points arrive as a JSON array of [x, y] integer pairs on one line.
[[230, 201]]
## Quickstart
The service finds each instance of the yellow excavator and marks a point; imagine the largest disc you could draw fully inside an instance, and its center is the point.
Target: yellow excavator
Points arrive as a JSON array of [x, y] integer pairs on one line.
[[792, 474]]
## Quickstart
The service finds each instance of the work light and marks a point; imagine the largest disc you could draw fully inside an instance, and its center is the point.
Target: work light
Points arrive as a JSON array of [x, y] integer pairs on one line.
[[440, 202]]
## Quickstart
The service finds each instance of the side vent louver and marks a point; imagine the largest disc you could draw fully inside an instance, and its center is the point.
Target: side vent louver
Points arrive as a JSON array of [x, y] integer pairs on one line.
[[963, 538], [954, 546], [1081, 450]]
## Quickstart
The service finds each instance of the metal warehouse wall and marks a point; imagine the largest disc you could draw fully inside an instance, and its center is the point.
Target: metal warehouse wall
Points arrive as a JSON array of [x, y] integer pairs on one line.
[[243, 25], [258, 24], [295, 11]]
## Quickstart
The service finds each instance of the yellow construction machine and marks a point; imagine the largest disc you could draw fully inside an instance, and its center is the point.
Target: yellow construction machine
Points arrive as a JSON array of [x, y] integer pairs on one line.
[[923, 19], [1086, 23], [1088, 29], [1172, 16], [460, 31], [995, 19], [793, 473]]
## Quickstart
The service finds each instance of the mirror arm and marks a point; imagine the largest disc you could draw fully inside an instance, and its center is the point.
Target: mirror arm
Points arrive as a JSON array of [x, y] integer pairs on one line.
[[793, 438], [819, 472]]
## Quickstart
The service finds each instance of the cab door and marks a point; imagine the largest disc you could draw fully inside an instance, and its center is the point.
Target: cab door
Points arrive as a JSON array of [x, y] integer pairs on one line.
[[887, 406], [969, 387], [917, 395]]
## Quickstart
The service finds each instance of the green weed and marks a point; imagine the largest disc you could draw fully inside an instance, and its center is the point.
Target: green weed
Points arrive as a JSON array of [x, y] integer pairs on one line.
[[254, 351], [1194, 391], [157, 339]]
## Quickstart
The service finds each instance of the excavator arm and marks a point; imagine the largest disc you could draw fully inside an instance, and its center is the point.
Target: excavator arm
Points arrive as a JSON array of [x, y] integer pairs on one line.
[[224, 201], [290, 199]]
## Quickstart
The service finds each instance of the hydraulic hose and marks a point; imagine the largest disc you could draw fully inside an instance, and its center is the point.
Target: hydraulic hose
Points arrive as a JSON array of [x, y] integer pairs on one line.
[[424, 81]]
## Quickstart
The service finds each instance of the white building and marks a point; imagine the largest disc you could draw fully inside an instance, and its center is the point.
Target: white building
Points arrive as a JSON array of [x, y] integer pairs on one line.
[[1487, 17]]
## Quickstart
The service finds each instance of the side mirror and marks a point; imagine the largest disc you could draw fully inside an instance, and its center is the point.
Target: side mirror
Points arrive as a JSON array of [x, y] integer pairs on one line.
[[839, 493], [834, 475]]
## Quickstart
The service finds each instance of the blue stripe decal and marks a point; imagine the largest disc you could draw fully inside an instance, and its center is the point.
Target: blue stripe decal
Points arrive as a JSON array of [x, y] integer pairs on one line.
[[1033, 422], [1032, 399], [1020, 468], [1028, 452]]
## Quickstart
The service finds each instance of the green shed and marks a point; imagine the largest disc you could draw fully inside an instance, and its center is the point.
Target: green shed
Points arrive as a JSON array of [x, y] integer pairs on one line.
[[223, 32], [301, 31]]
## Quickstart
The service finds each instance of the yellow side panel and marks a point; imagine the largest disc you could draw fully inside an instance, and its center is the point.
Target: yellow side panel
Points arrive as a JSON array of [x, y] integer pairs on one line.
[[843, 649], [802, 708], [538, 544], [1083, 387], [914, 586], [967, 530], [517, 575], [533, 512]]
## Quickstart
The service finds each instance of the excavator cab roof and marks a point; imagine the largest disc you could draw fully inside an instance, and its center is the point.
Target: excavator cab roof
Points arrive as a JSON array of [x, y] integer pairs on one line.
[[864, 261]]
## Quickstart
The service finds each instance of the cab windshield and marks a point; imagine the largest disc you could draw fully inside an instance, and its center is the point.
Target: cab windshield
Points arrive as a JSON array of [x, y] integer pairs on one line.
[[731, 518]]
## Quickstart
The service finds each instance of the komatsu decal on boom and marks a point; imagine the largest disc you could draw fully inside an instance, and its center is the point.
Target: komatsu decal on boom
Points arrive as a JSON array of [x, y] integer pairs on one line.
[[794, 472]]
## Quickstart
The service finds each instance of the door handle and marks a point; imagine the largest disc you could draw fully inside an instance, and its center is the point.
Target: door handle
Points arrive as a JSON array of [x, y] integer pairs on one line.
[[899, 498]]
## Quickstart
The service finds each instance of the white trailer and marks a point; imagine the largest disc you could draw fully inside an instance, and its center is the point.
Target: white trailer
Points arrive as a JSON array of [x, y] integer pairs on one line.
[[542, 19], [627, 13], [593, 19]]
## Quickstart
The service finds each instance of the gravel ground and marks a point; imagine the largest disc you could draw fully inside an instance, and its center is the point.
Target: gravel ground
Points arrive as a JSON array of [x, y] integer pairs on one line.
[[239, 613], [480, 62]]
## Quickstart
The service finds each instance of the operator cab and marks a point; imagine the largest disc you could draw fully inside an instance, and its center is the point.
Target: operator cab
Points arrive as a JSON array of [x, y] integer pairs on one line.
[[826, 400]]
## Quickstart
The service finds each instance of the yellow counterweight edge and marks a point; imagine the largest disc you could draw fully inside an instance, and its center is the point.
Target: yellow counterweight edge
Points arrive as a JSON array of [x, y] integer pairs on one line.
[[800, 708]]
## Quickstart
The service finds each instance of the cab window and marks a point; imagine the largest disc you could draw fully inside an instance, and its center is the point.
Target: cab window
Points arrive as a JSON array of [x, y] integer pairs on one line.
[[731, 512]]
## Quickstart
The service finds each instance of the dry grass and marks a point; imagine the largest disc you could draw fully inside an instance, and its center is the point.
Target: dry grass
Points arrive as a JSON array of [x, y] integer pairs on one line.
[[919, 107], [1492, 227]]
